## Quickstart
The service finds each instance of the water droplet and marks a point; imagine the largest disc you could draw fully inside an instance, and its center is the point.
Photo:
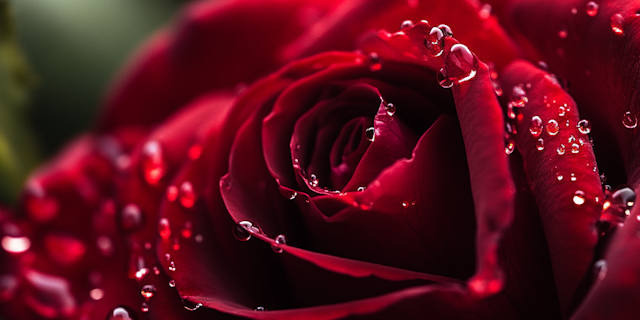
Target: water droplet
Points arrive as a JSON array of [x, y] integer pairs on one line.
[[562, 111], [360, 189], [389, 107], [144, 307], [375, 62], [573, 177], [370, 133], [584, 126], [187, 195], [434, 42], [172, 266], [191, 306], [540, 144], [148, 291], [617, 24], [293, 195], [629, 120], [96, 294], [122, 313], [163, 228], [536, 126], [313, 180], [552, 127], [559, 176], [406, 24], [600, 269], [443, 80], [243, 230], [131, 218], [16, 244], [172, 283], [592, 8], [176, 244], [260, 308], [446, 30], [575, 148], [560, 150], [187, 229], [280, 239], [153, 164], [578, 197], [38, 205], [563, 32], [156, 270], [460, 64], [519, 96], [194, 151], [485, 11], [510, 146]]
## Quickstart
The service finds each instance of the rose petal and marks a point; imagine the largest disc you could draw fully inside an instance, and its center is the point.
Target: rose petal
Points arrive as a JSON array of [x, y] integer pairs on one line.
[[569, 226]]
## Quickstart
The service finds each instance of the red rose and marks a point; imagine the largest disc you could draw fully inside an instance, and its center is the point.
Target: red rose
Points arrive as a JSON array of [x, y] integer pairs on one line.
[[306, 160]]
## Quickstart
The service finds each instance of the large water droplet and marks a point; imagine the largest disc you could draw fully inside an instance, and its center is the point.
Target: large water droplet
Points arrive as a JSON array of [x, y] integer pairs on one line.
[[16, 244], [406, 24], [584, 126], [434, 42], [163, 228], [443, 80], [131, 218], [592, 8], [536, 126], [617, 24], [579, 197], [153, 164], [629, 120], [122, 313], [561, 149], [148, 291], [187, 195], [552, 127], [460, 64], [280, 239], [540, 144], [243, 230], [370, 133]]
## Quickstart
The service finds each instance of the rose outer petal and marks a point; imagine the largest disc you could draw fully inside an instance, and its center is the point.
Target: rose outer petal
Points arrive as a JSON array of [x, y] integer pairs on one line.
[[569, 226]]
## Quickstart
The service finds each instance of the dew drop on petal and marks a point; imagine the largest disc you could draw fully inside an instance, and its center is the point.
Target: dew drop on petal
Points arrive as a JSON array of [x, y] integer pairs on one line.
[[360, 189], [552, 127], [510, 146], [375, 62], [575, 148], [191, 306], [163, 228], [187, 195], [96, 294], [172, 266], [280, 239], [390, 108], [122, 313], [562, 111], [172, 193], [519, 96], [536, 126], [592, 8], [584, 126], [260, 308], [240, 230], [148, 291], [562, 33], [187, 230], [172, 283], [446, 30], [370, 133], [600, 269], [16, 244], [460, 64], [574, 10], [443, 80], [579, 197], [131, 218], [617, 24], [485, 11], [406, 24], [561, 149], [573, 177], [153, 163], [434, 42], [559, 176], [629, 120], [144, 307], [540, 144]]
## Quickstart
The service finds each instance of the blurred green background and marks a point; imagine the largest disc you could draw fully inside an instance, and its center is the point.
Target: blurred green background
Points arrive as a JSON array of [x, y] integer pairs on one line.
[[72, 49]]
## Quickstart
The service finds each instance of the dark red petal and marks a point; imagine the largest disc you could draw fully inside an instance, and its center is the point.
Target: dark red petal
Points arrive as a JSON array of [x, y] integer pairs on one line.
[[569, 226], [481, 121], [615, 294], [216, 44]]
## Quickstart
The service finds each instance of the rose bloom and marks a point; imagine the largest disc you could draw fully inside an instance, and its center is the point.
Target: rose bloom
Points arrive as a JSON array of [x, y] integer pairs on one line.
[[365, 159]]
